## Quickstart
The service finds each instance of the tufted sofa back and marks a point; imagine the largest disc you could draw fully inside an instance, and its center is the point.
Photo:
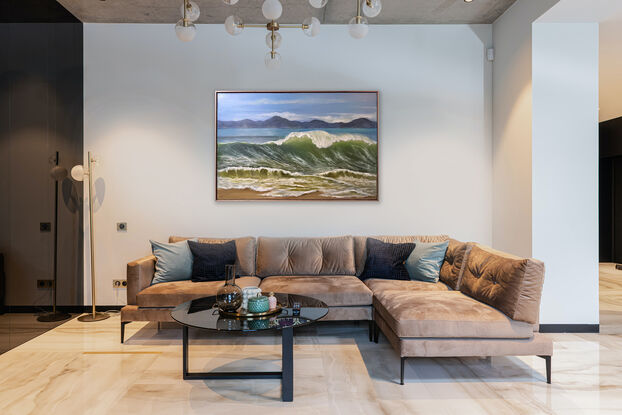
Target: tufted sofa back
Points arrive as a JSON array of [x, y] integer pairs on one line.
[[453, 265], [305, 256], [509, 283], [245, 251]]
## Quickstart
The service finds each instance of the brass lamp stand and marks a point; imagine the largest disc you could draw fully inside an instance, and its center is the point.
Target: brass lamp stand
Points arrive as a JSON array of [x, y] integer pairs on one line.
[[78, 173]]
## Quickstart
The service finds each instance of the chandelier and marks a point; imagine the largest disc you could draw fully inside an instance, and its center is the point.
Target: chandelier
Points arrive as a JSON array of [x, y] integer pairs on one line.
[[185, 28]]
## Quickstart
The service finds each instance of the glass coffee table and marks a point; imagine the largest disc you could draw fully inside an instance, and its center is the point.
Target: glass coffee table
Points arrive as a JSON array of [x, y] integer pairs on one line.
[[203, 314]]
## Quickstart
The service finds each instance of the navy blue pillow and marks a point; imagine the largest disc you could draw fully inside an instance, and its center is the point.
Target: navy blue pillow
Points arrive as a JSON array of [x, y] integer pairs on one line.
[[209, 260], [386, 260]]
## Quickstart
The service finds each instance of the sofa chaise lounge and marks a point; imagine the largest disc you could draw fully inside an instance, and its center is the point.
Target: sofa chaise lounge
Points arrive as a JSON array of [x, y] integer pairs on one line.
[[485, 304]]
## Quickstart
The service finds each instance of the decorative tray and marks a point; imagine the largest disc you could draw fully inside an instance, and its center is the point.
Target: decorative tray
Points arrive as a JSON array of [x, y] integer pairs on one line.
[[240, 313]]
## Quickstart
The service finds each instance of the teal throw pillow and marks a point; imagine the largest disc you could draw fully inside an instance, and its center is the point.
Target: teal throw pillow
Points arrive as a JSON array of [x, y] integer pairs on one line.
[[424, 263], [173, 261]]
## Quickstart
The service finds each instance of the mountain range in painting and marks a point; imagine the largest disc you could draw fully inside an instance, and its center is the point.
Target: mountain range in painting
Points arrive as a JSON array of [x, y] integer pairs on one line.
[[280, 122]]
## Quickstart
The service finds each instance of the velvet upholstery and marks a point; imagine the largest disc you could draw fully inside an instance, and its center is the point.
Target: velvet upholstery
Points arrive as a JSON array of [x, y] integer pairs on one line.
[[139, 276], [350, 313], [379, 285], [343, 290], [537, 345], [506, 282], [360, 245], [171, 294], [445, 315], [453, 265], [305, 256], [245, 251], [135, 313]]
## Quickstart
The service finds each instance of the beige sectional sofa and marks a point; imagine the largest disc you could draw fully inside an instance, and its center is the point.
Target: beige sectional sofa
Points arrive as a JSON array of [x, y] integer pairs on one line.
[[485, 304]]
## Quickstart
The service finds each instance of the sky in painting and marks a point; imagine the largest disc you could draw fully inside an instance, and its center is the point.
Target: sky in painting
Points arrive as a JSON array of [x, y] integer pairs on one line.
[[300, 106]]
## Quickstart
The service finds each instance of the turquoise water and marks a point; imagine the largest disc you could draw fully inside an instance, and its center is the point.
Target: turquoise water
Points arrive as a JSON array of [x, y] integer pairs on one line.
[[336, 163]]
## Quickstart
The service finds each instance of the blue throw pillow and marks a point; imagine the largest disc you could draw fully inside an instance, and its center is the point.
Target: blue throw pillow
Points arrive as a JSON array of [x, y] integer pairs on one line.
[[424, 263], [386, 260], [173, 261]]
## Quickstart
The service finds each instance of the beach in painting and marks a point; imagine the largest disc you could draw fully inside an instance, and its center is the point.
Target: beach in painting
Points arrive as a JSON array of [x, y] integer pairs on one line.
[[312, 149]]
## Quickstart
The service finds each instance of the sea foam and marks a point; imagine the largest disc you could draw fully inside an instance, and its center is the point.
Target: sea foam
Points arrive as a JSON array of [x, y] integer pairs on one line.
[[322, 139]]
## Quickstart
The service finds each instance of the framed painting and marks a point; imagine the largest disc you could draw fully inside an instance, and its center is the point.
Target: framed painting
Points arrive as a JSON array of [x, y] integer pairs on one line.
[[297, 145]]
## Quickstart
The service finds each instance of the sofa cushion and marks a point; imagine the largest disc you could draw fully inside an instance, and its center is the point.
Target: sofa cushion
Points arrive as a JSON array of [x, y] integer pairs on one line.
[[506, 282], [360, 245], [453, 265], [245, 251], [377, 285], [171, 294], [445, 314], [173, 261], [305, 256], [210, 260], [386, 260], [340, 290], [424, 263]]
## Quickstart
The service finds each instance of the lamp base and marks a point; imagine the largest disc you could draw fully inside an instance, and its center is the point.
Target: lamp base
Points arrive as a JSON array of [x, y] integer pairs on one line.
[[53, 316], [86, 318]]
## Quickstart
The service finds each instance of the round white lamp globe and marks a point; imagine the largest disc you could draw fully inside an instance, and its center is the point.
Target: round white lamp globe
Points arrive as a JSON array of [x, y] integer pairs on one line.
[[272, 9], [192, 11], [312, 28], [77, 173], [232, 25], [277, 40], [318, 4], [372, 8], [358, 29], [272, 60], [185, 33]]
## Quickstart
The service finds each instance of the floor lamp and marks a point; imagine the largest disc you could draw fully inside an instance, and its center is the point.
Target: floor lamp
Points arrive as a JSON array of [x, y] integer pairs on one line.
[[78, 173], [58, 174]]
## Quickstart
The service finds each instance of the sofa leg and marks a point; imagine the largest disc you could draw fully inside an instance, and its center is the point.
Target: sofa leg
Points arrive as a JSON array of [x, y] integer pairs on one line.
[[547, 359], [371, 330], [159, 326], [376, 332], [123, 324], [402, 370]]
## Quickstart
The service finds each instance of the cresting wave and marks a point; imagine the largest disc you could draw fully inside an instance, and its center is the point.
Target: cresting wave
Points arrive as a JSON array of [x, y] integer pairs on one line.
[[265, 172], [322, 139]]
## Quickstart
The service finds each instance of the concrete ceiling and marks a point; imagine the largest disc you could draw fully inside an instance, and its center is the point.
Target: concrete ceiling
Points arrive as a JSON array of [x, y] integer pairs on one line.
[[294, 11]]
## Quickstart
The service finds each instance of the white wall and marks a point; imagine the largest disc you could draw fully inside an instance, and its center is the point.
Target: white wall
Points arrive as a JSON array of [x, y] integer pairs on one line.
[[149, 117], [565, 169], [512, 126]]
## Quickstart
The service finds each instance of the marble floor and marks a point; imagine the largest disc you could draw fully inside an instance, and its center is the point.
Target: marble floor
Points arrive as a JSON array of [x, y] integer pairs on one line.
[[81, 368]]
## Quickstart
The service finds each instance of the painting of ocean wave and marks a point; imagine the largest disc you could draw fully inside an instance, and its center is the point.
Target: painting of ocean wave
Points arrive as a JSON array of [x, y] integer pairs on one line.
[[297, 145]]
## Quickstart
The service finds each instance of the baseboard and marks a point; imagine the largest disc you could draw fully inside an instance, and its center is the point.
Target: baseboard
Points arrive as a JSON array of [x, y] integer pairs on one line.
[[65, 308], [569, 328]]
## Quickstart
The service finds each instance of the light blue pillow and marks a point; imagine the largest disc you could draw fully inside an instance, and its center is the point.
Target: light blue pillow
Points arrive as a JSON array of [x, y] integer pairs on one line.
[[173, 261], [424, 262]]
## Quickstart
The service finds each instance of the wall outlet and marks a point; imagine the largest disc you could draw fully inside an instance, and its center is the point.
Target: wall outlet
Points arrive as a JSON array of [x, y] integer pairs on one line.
[[121, 226], [45, 227], [119, 283], [45, 283]]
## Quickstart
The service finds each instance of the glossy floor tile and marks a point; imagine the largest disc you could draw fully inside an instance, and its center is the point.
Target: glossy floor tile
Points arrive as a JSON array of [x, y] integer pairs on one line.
[[81, 368], [610, 288]]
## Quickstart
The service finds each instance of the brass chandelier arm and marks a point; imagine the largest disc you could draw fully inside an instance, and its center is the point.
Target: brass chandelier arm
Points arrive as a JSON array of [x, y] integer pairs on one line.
[[280, 26]]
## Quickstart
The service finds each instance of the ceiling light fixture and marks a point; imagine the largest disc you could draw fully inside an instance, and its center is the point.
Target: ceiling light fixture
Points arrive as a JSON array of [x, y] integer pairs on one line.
[[185, 29], [272, 11]]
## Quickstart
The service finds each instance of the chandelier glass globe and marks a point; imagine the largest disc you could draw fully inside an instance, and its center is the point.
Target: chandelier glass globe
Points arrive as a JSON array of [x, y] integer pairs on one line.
[[312, 28], [277, 40], [372, 8], [185, 32], [233, 25], [318, 4], [192, 11], [272, 60], [358, 27], [272, 9], [230, 2]]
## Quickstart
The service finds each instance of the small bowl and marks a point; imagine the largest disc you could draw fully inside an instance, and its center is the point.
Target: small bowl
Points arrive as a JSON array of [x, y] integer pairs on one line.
[[258, 304]]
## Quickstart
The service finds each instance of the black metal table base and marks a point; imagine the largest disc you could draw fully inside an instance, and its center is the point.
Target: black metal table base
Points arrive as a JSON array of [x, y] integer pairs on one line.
[[286, 375]]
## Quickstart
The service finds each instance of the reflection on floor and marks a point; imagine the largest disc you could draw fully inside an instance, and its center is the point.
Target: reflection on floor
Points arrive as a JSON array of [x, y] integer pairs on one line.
[[81, 368], [610, 299], [18, 328]]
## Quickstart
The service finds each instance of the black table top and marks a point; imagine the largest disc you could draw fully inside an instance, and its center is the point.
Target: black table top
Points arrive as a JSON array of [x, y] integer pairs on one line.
[[203, 313]]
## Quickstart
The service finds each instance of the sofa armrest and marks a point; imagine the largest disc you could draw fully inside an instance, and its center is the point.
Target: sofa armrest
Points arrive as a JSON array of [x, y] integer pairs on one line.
[[139, 276]]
